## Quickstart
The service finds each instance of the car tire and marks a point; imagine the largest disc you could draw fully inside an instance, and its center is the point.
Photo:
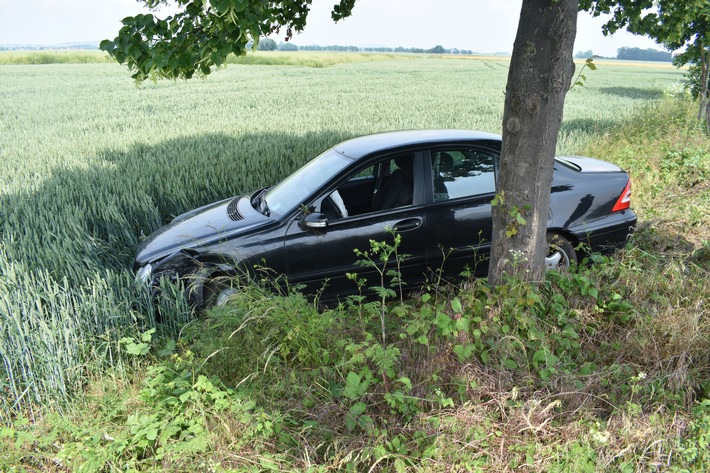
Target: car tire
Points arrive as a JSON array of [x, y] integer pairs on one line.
[[560, 254], [216, 292]]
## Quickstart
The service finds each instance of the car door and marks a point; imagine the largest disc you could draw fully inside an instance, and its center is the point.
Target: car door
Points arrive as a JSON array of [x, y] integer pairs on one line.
[[327, 251], [459, 225]]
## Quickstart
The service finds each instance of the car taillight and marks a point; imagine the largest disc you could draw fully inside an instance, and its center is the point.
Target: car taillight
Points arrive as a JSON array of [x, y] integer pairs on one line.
[[624, 200]]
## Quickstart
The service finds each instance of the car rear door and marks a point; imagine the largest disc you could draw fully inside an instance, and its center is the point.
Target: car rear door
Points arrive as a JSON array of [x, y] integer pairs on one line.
[[459, 225]]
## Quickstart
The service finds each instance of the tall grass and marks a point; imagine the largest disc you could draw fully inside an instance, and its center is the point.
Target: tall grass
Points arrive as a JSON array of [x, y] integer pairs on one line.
[[90, 164]]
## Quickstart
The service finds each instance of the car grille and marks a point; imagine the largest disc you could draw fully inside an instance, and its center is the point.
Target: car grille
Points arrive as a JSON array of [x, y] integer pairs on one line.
[[233, 211]]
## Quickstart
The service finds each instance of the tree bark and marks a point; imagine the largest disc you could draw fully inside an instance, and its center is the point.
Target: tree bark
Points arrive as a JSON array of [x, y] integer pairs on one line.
[[704, 111], [541, 69]]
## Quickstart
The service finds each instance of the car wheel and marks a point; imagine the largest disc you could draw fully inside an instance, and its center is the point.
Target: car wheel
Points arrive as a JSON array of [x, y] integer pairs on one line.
[[216, 292], [560, 253]]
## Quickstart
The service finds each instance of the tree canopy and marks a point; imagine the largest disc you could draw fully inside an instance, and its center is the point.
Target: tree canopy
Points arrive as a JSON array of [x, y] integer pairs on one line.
[[675, 24], [672, 23], [202, 34]]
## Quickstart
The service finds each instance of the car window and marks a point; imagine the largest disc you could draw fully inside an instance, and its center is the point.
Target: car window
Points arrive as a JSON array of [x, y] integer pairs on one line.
[[462, 173], [291, 192], [387, 184], [367, 173]]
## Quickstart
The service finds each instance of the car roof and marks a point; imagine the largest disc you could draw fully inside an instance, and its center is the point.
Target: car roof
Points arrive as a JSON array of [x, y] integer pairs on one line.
[[364, 145]]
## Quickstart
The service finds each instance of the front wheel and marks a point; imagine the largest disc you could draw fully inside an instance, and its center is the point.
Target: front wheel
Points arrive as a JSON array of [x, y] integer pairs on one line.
[[560, 254], [216, 292]]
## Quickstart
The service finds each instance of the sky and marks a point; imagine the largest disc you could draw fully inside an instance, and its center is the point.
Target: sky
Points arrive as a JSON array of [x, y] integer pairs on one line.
[[483, 26]]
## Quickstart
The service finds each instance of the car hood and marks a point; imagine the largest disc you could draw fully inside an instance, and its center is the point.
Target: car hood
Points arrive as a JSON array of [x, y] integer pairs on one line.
[[197, 228]]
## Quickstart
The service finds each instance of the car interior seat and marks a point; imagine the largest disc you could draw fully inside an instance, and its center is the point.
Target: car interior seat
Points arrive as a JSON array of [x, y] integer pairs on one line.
[[446, 164], [397, 190]]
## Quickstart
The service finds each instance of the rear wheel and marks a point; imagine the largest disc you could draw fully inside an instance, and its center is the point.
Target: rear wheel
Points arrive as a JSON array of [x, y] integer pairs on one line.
[[560, 253]]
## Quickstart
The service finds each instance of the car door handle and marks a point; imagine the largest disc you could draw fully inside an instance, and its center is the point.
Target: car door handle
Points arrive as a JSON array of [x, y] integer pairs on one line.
[[408, 224]]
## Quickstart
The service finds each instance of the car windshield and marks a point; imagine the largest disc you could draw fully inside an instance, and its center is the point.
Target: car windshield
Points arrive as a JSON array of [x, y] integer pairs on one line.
[[291, 192]]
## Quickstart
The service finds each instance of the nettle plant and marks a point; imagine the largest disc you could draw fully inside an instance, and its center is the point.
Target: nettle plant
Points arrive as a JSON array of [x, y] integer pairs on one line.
[[532, 329], [374, 362]]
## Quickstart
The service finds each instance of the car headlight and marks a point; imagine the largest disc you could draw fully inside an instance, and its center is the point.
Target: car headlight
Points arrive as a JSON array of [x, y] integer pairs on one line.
[[144, 273]]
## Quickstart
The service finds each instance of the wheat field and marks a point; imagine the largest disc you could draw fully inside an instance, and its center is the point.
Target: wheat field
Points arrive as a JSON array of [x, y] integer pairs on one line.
[[91, 163]]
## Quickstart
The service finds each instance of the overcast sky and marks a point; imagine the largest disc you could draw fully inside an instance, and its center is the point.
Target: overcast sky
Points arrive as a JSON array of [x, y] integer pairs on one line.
[[485, 26]]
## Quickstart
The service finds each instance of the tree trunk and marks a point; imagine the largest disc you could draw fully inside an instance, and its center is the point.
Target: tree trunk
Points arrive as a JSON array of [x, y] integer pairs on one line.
[[541, 70], [704, 111]]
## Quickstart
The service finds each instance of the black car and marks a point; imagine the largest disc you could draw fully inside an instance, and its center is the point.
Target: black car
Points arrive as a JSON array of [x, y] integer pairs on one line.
[[433, 187]]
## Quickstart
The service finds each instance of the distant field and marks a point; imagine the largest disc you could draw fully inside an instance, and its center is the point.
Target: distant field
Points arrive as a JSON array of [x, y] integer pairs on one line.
[[90, 164], [72, 56]]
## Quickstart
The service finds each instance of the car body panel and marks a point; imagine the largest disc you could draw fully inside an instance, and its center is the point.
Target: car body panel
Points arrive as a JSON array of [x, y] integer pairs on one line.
[[459, 235], [206, 227], [333, 249]]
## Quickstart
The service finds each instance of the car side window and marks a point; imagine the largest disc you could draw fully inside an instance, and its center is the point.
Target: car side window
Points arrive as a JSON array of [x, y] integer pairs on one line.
[[462, 173], [386, 184]]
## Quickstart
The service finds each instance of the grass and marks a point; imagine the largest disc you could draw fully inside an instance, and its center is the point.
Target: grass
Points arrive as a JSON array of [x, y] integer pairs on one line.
[[91, 164]]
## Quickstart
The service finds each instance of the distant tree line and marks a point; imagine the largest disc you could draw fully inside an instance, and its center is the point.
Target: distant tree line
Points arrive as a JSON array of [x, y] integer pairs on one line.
[[51, 47], [268, 44], [632, 54], [638, 54], [584, 54]]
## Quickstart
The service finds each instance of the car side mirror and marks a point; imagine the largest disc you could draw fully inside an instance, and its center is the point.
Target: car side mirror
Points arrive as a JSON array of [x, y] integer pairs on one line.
[[315, 221]]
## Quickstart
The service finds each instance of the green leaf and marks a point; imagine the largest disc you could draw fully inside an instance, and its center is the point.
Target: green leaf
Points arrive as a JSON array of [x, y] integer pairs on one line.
[[540, 356], [353, 388], [462, 324], [148, 336], [151, 434], [138, 349], [444, 323], [169, 348], [358, 408], [456, 305], [510, 364], [106, 45], [145, 20], [464, 351], [216, 58], [134, 52], [400, 466], [406, 381], [350, 424]]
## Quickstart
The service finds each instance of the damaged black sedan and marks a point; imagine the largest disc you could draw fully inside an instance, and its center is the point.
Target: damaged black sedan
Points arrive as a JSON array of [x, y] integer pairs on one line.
[[433, 187]]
